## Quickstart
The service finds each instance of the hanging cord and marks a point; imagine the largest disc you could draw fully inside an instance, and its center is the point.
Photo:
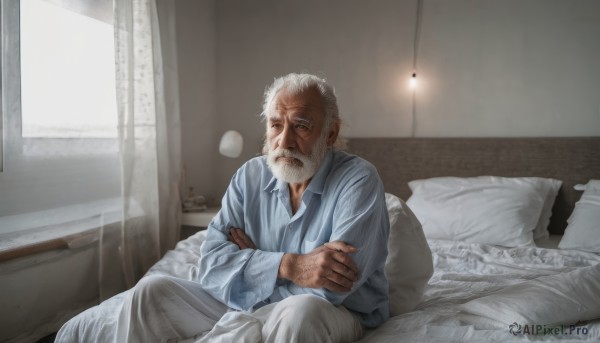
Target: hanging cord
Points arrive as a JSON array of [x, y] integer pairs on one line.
[[415, 55], [417, 34]]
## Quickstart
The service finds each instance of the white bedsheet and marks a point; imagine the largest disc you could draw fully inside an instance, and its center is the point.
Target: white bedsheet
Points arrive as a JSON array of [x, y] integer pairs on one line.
[[462, 272]]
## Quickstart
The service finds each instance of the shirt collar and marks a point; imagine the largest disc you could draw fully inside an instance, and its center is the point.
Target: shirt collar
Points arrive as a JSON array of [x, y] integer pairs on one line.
[[316, 185]]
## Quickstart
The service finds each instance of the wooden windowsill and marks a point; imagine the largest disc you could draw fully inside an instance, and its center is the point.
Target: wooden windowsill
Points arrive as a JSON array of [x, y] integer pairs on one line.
[[64, 228], [65, 242]]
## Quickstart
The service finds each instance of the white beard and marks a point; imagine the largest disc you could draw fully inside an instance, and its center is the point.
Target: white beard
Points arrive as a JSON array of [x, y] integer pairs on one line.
[[300, 170]]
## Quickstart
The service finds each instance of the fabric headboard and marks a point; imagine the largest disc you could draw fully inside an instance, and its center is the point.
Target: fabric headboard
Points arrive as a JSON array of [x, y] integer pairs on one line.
[[572, 160]]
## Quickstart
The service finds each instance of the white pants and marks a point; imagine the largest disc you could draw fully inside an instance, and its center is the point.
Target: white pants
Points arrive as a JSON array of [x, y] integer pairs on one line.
[[162, 309]]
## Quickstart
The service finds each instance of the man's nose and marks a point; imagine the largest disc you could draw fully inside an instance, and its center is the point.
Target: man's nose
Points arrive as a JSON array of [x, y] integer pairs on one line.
[[288, 138]]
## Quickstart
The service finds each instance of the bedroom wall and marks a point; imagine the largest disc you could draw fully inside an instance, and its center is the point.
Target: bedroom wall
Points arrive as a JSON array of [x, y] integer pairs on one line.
[[486, 68], [510, 68], [196, 56]]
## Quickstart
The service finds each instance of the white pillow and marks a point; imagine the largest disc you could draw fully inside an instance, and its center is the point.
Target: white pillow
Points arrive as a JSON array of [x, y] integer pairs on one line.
[[485, 209], [409, 263], [564, 298], [583, 229]]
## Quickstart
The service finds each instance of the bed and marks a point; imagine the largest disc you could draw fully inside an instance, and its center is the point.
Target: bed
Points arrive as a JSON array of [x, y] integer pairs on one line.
[[513, 290]]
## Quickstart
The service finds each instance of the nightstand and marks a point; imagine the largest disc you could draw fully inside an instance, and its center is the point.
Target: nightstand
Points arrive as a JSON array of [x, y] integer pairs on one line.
[[192, 222], [199, 219]]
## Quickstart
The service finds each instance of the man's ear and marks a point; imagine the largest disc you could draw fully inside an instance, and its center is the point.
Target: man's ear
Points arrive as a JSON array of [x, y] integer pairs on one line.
[[333, 133]]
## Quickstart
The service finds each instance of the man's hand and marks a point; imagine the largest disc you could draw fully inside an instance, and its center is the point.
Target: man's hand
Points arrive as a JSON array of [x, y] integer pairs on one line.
[[328, 266], [239, 237]]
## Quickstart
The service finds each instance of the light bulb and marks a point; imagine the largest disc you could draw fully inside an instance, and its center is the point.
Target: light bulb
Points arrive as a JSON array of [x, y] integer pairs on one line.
[[413, 81]]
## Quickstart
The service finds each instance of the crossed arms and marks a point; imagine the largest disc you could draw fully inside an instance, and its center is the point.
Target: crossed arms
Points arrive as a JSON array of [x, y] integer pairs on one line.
[[328, 266], [337, 252]]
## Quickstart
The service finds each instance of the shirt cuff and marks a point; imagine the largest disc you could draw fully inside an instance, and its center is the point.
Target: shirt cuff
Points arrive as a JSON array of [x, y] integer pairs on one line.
[[261, 272]]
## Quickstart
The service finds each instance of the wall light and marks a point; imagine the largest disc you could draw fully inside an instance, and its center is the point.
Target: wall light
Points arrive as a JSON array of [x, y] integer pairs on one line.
[[231, 144], [412, 83]]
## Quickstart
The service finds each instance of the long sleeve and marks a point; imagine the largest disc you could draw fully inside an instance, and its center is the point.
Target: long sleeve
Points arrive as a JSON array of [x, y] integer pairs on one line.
[[239, 278]]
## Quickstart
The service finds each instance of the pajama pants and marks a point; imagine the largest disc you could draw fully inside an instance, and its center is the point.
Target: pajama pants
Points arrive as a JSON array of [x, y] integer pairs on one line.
[[167, 309]]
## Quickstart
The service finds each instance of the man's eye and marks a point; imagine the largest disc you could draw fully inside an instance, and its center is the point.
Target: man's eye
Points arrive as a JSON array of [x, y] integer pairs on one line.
[[301, 127], [275, 126]]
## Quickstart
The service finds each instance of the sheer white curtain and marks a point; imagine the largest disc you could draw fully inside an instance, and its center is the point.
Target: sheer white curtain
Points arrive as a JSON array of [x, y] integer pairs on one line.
[[84, 213], [149, 139]]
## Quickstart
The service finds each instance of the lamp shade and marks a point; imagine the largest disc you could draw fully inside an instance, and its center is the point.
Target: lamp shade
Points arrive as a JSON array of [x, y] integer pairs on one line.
[[231, 144]]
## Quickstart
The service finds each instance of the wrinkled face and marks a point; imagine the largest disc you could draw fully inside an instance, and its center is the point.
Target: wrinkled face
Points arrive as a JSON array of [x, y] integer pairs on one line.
[[296, 138]]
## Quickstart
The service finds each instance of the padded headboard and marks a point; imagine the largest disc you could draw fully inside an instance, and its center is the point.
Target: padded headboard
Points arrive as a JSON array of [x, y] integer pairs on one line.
[[572, 160]]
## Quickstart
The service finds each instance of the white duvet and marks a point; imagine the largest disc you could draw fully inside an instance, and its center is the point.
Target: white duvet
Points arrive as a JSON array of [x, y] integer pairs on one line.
[[467, 278], [465, 272]]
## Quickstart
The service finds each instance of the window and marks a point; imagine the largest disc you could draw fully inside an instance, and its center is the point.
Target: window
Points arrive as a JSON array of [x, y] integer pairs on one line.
[[59, 112], [67, 69]]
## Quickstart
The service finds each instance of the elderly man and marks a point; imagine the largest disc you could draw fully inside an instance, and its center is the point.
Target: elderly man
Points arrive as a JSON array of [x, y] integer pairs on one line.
[[302, 231]]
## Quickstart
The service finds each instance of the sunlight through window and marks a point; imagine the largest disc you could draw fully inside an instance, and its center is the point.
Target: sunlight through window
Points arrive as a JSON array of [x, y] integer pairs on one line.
[[67, 74]]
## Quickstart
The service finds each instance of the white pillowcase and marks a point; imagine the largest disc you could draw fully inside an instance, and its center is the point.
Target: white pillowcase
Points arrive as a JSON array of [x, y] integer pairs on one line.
[[409, 264], [583, 229], [485, 209], [564, 298]]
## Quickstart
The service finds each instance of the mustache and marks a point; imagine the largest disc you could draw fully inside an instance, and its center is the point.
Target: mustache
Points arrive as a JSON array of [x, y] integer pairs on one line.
[[279, 152]]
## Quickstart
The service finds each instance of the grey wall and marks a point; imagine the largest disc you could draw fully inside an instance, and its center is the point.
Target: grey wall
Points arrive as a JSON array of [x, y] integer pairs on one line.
[[486, 68], [510, 68], [197, 67]]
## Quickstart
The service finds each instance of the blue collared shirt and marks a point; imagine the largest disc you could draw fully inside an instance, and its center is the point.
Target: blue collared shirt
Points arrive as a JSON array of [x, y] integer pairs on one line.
[[344, 201]]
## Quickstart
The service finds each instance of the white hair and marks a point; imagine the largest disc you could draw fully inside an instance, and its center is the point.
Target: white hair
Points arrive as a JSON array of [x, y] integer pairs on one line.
[[297, 83]]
